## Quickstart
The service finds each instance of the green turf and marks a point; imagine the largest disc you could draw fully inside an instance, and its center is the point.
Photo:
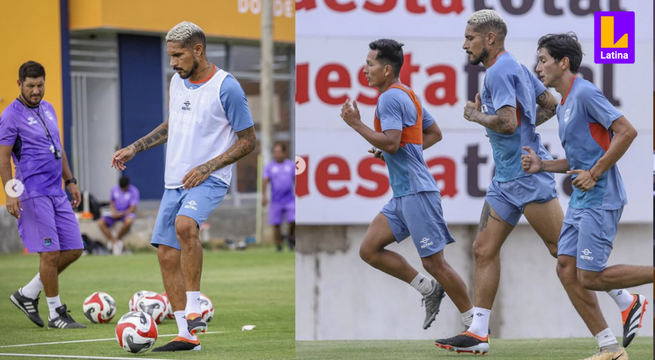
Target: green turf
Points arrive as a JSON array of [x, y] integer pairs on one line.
[[552, 349], [250, 287]]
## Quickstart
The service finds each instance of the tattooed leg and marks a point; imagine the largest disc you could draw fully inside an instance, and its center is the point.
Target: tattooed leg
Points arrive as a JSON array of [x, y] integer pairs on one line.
[[492, 233]]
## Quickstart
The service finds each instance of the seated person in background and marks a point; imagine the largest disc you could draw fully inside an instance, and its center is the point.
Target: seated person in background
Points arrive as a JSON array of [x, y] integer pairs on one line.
[[123, 201]]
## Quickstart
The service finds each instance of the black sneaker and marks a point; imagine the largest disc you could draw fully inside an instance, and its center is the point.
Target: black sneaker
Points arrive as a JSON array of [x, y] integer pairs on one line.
[[64, 320], [29, 306], [465, 343], [432, 302], [195, 324], [179, 344], [632, 318], [292, 242]]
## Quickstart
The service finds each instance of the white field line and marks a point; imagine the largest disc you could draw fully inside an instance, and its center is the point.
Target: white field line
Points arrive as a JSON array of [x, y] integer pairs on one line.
[[93, 340], [78, 357]]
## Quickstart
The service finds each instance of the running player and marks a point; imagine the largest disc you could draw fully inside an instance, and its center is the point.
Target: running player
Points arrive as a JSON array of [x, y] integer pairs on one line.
[[594, 135], [402, 130]]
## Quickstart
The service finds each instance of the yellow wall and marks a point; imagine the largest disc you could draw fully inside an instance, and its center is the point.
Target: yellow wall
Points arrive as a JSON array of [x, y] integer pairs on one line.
[[218, 18], [30, 32]]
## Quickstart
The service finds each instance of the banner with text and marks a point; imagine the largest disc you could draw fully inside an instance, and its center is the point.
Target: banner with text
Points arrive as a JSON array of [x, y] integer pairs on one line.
[[344, 185]]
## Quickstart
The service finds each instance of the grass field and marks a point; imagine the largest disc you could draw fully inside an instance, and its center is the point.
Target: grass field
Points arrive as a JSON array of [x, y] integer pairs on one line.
[[557, 349], [255, 287]]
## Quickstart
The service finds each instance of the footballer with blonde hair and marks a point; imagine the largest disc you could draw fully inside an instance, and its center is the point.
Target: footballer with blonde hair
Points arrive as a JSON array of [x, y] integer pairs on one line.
[[209, 128]]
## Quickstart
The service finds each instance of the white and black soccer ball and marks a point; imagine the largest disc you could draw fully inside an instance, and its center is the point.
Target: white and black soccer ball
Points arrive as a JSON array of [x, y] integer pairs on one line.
[[132, 304], [206, 308], [136, 332], [99, 307], [154, 305], [171, 313]]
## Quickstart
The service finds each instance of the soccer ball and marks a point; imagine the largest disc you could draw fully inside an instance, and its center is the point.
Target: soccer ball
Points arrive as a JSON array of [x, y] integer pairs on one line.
[[136, 332], [132, 305], [170, 314], [154, 305], [206, 308], [99, 307]]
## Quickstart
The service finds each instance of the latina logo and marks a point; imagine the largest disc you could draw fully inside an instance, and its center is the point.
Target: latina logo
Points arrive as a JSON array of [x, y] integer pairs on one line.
[[614, 37]]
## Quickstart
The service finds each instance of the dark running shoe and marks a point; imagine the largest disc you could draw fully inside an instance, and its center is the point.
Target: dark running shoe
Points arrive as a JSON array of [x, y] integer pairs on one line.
[[64, 320], [292, 242], [29, 306], [179, 344], [432, 302], [632, 317], [465, 343], [195, 324]]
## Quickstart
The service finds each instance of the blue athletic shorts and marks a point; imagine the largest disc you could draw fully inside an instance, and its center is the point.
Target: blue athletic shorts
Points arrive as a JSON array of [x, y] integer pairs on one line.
[[588, 235], [420, 216], [196, 203], [509, 198]]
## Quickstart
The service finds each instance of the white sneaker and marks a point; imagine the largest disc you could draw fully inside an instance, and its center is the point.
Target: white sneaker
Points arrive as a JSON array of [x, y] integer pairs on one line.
[[118, 247]]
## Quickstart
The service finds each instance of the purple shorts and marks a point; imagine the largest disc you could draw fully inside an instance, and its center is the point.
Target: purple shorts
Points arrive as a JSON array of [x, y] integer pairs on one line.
[[277, 211], [110, 221], [47, 223]]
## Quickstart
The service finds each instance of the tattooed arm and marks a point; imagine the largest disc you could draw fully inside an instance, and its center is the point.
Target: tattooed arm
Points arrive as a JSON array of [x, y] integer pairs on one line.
[[547, 107], [503, 122], [242, 147], [156, 137]]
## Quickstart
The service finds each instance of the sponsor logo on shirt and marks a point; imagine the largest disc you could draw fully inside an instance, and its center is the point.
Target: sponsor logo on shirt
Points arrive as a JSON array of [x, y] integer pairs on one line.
[[191, 205], [187, 106], [48, 114], [567, 114], [31, 121]]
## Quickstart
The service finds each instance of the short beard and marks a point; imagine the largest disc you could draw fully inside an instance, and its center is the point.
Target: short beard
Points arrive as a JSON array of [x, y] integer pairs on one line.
[[193, 70], [27, 100], [482, 57]]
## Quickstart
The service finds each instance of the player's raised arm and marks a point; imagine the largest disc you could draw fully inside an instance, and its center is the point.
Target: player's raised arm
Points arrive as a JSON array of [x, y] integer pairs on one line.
[[547, 107], [387, 141], [503, 122]]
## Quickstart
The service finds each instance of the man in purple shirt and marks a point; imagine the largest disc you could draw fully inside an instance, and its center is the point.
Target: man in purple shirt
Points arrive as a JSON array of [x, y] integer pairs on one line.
[[281, 173], [123, 200], [46, 223]]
